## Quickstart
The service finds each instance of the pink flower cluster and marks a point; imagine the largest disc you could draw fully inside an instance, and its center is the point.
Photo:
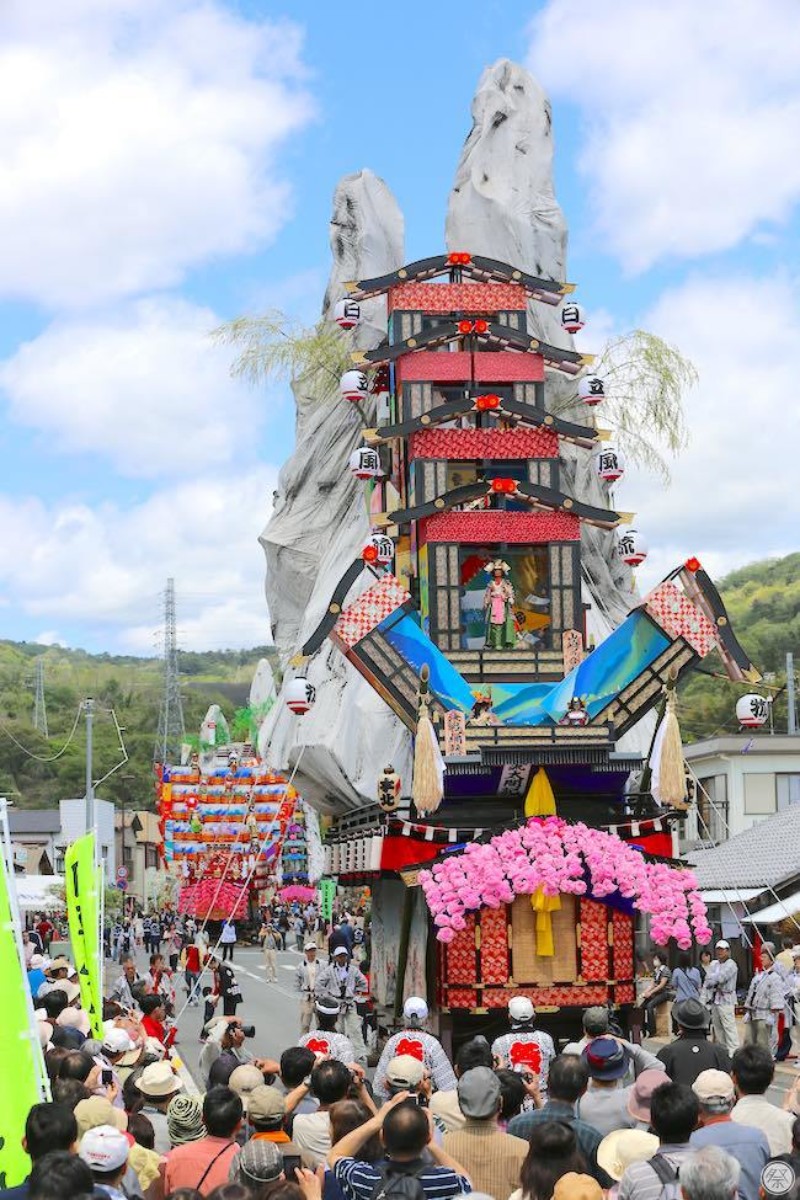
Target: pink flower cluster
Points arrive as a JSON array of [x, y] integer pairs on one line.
[[558, 857]]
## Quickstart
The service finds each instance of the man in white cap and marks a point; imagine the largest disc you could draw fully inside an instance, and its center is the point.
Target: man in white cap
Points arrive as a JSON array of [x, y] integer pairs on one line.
[[105, 1150], [115, 1045], [719, 993], [343, 980], [414, 1040], [305, 981], [526, 1050]]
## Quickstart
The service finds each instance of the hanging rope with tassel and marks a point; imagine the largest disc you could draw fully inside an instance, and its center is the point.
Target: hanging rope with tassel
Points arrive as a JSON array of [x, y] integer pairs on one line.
[[669, 776], [428, 784]]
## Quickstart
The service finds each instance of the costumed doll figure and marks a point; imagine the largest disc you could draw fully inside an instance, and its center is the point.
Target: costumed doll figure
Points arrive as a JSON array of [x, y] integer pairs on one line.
[[498, 607]]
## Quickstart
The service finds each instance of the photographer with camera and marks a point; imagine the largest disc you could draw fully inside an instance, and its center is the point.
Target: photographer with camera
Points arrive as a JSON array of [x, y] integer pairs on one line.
[[224, 1051]]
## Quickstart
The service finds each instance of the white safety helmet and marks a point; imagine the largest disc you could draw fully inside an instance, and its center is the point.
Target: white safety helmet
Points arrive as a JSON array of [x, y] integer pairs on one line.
[[415, 1009], [520, 1009]]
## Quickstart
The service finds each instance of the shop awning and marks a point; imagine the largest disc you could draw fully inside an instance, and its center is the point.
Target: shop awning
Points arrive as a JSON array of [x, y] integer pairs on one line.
[[779, 911], [35, 891]]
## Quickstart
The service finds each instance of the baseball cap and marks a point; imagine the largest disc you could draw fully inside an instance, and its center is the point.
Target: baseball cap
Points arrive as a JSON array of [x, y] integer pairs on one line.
[[97, 1111], [266, 1104], [573, 1186], [415, 1009], [117, 1041], [722, 945], [404, 1071], [641, 1093], [310, 946], [713, 1085], [74, 1018], [521, 1009], [244, 1080], [618, 1150], [606, 1058], [339, 951], [104, 1148], [37, 962], [478, 1093], [259, 1161]]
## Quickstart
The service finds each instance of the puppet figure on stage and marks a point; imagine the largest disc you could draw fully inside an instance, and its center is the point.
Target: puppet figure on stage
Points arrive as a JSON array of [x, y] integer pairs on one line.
[[498, 607]]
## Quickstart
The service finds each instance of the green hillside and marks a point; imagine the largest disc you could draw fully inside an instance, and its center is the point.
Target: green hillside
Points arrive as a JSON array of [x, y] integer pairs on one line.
[[763, 603], [131, 686]]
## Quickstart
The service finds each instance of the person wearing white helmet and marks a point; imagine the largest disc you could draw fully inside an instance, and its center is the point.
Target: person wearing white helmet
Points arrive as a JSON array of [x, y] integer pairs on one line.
[[527, 1050], [414, 1040]]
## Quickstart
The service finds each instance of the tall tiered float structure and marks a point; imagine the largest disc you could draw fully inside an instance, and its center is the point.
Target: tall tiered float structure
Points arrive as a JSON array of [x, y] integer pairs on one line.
[[520, 828], [483, 755]]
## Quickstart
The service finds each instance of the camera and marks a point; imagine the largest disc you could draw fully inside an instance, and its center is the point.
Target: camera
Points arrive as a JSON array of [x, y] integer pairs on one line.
[[247, 1030]]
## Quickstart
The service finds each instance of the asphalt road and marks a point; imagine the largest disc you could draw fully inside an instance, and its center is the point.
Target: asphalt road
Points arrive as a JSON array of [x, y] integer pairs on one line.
[[272, 1007]]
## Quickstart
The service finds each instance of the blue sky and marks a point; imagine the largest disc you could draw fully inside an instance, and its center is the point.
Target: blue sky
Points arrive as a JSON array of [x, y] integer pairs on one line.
[[171, 164]]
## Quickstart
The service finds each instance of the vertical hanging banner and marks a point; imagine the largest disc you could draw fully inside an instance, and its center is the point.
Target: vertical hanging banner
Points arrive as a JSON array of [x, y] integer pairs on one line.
[[19, 1045], [327, 889], [83, 912]]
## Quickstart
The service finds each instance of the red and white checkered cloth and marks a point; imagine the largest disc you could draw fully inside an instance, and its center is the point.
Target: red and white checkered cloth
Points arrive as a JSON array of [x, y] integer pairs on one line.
[[679, 617], [369, 610]]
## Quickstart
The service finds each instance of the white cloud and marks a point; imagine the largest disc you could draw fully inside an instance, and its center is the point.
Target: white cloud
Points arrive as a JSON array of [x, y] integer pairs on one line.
[[97, 572], [734, 495], [690, 116], [141, 385], [139, 140]]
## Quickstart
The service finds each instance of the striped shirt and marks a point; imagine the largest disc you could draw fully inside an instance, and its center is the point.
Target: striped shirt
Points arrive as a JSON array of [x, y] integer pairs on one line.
[[358, 1180]]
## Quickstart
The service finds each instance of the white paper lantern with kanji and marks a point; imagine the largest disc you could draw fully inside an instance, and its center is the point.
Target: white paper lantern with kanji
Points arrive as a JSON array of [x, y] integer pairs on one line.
[[379, 549], [573, 317], [591, 390], [365, 463], [347, 314], [610, 464], [299, 695], [632, 548], [752, 710], [354, 386]]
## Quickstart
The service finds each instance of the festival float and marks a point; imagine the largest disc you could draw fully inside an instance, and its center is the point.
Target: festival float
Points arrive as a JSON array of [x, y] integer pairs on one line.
[[525, 834], [234, 832]]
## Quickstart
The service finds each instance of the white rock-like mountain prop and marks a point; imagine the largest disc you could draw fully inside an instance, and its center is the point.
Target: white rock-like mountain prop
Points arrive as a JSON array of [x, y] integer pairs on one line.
[[319, 527], [263, 690], [502, 205]]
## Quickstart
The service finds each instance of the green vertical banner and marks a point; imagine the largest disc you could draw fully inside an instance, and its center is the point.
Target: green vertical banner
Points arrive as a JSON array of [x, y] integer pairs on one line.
[[19, 1046], [83, 912], [327, 889]]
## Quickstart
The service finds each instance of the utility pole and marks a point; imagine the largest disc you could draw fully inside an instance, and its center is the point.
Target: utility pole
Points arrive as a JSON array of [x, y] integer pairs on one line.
[[88, 708], [791, 727], [171, 727], [39, 710]]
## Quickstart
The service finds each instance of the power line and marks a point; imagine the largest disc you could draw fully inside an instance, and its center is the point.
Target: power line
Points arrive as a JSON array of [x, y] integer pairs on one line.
[[51, 757]]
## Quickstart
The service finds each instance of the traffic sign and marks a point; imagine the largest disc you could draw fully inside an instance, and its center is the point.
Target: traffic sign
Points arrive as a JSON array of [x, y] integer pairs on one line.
[[122, 885], [122, 872]]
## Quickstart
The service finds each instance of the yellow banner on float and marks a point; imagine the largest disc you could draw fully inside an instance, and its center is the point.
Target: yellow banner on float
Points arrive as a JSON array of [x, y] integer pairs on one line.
[[19, 1047], [83, 912]]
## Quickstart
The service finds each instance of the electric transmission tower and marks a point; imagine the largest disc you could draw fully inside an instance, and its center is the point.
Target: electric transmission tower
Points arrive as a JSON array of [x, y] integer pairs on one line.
[[171, 729], [39, 710]]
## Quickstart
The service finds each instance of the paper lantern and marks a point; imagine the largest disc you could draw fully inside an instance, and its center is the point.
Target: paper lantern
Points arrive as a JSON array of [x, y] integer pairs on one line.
[[354, 386], [632, 548], [752, 710], [591, 389], [365, 463], [610, 464], [299, 695], [572, 318], [347, 314], [379, 549]]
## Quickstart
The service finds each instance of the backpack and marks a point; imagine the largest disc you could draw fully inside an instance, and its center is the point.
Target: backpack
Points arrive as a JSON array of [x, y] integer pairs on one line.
[[398, 1181], [667, 1177]]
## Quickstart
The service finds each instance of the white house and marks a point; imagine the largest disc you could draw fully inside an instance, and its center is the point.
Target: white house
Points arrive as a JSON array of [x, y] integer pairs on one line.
[[743, 780]]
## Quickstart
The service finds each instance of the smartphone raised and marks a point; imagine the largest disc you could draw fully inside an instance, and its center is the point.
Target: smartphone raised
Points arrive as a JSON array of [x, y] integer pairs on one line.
[[290, 1163]]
